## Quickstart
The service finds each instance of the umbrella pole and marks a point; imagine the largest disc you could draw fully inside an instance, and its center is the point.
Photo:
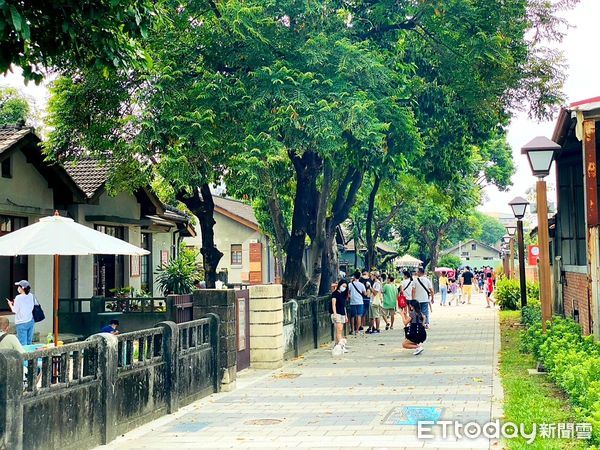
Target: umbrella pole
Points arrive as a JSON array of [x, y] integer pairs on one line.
[[55, 304]]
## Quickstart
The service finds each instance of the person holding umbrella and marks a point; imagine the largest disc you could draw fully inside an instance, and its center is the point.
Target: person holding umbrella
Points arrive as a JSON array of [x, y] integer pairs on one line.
[[22, 306]]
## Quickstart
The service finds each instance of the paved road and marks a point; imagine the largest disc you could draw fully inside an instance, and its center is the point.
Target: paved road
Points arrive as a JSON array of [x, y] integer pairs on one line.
[[355, 401]]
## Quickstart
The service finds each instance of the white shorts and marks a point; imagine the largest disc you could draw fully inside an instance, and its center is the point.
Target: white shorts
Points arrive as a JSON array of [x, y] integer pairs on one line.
[[338, 318]]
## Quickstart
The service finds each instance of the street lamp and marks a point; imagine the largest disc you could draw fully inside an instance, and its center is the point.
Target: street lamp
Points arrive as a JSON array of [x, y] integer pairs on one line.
[[511, 230], [540, 152], [519, 205]]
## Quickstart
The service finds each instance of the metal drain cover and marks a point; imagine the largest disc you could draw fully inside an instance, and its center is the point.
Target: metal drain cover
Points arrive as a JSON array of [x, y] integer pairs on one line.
[[263, 422]]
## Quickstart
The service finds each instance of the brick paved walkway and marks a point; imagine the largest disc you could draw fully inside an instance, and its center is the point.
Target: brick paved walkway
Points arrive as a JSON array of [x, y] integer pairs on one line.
[[355, 401]]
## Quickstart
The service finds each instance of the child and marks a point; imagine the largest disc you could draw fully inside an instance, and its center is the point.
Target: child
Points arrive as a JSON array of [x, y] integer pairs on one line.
[[453, 289], [489, 289], [414, 329]]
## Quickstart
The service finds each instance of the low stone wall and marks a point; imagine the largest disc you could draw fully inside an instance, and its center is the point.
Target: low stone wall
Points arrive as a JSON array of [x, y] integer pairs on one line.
[[85, 394], [307, 325]]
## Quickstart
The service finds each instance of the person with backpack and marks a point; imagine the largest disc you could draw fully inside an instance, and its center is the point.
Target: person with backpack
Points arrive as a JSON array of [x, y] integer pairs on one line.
[[414, 330], [22, 306], [423, 293], [337, 309], [355, 309], [365, 279], [406, 287], [8, 341]]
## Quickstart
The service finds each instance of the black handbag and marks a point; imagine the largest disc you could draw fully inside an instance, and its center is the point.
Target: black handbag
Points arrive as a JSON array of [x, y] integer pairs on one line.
[[37, 312]]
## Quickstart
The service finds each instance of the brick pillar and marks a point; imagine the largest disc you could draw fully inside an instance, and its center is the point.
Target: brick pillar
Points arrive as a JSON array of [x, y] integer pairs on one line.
[[266, 326], [222, 303]]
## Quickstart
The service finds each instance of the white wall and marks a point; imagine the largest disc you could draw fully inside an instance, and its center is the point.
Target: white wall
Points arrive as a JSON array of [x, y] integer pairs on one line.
[[228, 232], [34, 199]]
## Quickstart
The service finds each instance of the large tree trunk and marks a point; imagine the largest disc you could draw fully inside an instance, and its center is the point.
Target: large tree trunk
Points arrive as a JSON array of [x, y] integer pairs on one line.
[[201, 204], [319, 237], [345, 198], [307, 168], [371, 238], [329, 263]]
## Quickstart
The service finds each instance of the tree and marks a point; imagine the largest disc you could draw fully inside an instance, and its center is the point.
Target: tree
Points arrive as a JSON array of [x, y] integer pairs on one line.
[[70, 34], [450, 261], [492, 229], [14, 108]]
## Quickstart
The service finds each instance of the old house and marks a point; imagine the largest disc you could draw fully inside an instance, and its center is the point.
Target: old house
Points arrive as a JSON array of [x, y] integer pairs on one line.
[[576, 245], [247, 253], [31, 188]]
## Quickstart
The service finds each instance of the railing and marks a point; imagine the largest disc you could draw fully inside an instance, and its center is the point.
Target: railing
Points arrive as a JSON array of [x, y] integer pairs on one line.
[[139, 348], [64, 366], [183, 306], [193, 335]]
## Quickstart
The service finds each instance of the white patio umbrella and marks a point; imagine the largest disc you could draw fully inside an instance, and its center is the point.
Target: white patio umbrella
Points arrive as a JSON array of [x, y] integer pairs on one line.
[[56, 235], [407, 261]]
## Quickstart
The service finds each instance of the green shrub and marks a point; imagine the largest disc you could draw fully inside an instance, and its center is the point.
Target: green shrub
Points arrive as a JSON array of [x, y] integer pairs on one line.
[[179, 274], [533, 292], [508, 294], [531, 314], [572, 362]]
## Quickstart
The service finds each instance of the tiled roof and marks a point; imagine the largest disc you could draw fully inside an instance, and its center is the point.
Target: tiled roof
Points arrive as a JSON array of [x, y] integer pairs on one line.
[[10, 135], [237, 208], [88, 174]]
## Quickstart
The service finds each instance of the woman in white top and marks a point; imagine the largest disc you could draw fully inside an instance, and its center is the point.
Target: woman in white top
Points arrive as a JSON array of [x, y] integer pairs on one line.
[[22, 306]]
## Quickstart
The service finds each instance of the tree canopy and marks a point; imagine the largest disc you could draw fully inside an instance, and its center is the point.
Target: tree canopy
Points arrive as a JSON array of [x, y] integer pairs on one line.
[[308, 107], [14, 108], [70, 34]]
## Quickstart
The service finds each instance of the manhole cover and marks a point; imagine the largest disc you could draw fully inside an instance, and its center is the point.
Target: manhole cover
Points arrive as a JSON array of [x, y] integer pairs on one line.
[[263, 422], [411, 415], [286, 375]]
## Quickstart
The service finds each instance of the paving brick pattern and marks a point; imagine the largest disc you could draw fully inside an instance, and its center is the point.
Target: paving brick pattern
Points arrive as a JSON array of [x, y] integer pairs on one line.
[[318, 401]]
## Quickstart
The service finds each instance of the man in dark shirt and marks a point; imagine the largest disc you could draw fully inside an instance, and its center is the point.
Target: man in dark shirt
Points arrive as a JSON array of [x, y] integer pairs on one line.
[[466, 283]]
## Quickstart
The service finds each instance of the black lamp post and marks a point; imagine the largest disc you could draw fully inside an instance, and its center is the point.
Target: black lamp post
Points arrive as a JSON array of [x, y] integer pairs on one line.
[[519, 205]]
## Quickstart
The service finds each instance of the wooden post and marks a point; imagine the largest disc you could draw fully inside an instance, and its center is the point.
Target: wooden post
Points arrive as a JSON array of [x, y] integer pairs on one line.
[[522, 280], [511, 261], [544, 258], [592, 221], [55, 303]]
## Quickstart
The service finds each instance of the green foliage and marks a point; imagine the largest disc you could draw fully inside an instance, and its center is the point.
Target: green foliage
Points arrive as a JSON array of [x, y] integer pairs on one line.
[[179, 274], [73, 34], [451, 261], [573, 363], [508, 293], [530, 399], [14, 108], [491, 228]]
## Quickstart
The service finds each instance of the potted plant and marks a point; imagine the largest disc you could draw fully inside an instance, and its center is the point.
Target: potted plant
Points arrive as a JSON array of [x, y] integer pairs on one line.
[[179, 274]]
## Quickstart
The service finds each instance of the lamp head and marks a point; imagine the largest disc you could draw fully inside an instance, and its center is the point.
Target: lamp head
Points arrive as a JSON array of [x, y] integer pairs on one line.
[[540, 153], [518, 205]]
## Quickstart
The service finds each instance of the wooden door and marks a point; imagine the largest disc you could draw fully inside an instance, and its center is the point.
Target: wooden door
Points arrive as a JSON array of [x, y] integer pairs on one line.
[[256, 275]]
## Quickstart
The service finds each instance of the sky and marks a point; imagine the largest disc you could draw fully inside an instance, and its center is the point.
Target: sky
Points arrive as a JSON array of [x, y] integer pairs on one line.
[[581, 83]]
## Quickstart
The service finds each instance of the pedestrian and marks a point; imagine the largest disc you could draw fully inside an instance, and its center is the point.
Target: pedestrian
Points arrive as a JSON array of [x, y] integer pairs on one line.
[[111, 327], [375, 304], [390, 302], [489, 289], [22, 306], [406, 287], [355, 310], [423, 293], [443, 280], [365, 279], [8, 341], [414, 331], [466, 283], [453, 290], [337, 309]]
